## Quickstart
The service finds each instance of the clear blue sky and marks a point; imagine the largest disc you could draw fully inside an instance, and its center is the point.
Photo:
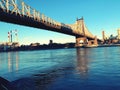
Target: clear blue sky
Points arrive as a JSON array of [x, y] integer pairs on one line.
[[98, 15]]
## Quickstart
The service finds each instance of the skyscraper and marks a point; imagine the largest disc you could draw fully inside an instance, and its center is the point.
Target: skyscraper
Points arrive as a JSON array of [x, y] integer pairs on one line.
[[118, 33], [103, 35]]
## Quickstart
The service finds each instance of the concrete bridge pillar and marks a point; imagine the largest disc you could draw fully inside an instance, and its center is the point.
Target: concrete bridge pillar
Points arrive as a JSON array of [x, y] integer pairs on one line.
[[93, 42], [80, 41]]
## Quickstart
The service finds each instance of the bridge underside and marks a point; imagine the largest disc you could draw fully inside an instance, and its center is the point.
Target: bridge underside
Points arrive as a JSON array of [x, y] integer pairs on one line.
[[28, 21]]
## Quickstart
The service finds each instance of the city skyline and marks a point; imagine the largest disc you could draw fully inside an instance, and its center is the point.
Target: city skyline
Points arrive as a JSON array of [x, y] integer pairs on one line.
[[98, 15]]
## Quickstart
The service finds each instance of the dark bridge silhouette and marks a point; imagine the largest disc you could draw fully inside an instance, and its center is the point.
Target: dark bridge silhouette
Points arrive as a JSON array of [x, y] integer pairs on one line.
[[17, 12]]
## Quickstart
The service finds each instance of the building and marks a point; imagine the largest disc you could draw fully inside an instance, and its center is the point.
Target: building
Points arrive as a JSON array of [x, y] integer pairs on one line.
[[8, 46], [34, 44], [118, 33], [50, 42], [103, 35], [111, 39]]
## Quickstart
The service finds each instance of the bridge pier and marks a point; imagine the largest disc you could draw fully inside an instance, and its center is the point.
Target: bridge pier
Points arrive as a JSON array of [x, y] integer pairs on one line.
[[83, 41], [80, 41], [93, 42]]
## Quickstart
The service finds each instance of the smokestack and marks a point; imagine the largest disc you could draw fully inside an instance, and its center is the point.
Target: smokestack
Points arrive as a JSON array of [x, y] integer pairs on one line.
[[8, 36], [11, 35], [16, 35]]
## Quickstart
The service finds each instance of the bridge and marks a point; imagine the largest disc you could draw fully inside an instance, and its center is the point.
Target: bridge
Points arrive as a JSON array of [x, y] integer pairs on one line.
[[18, 12]]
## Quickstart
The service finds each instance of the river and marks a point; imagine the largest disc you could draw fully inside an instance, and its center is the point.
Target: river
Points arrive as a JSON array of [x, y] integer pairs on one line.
[[65, 69]]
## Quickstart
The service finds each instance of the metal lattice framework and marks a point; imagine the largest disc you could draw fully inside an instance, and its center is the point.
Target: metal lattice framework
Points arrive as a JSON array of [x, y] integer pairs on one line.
[[79, 27], [21, 9]]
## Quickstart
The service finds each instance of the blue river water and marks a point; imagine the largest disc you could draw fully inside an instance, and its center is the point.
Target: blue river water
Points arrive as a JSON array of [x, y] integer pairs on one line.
[[65, 69]]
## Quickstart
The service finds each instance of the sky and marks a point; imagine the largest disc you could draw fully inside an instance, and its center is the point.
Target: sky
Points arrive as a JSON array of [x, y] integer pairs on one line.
[[98, 15]]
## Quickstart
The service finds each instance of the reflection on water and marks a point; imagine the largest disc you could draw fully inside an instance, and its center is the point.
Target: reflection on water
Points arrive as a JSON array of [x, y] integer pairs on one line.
[[11, 59], [47, 81], [9, 62], [82, 61], [17, 61]]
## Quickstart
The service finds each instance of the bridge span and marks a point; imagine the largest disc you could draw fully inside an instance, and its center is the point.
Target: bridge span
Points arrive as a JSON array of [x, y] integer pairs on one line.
[[17, 12]]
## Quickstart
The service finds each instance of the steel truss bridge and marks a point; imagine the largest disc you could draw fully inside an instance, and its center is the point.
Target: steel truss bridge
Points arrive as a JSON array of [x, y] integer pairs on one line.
[[18, 12]]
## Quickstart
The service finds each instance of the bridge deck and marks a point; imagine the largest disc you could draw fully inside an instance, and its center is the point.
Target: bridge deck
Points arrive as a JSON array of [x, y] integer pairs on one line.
[[23, 14]]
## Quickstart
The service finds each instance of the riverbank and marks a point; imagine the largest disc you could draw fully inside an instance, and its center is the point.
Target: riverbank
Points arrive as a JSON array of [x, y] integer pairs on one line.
[[109, 45], [38, 47], [52, 46]]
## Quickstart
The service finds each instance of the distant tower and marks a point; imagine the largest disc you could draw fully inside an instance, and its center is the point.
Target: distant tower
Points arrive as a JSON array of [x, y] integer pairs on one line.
[[103, 35], [16, 35], [8, 36], [51, 42], [11, 35], [119, 33]]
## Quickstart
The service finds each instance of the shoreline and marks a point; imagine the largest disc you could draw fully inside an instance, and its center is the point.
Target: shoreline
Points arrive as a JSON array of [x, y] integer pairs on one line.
[[29, 48]]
